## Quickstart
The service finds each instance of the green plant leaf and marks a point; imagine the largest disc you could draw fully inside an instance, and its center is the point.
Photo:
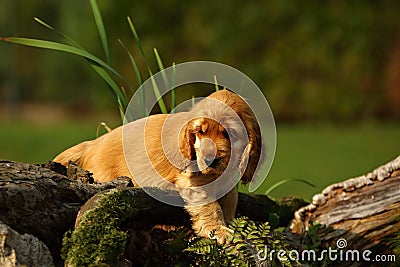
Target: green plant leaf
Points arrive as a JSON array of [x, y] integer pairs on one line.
[[280, 183], [118, 93], [160, 100], [98, 65], [139, 77], [216, 83], [156, 90], [138, 74], [67, 38], [101, 29], [161, 67], [63, 48], [173, 91], [136, 37]]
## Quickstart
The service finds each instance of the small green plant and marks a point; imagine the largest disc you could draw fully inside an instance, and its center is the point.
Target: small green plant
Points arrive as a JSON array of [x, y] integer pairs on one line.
[[311, 240], [248, 242]]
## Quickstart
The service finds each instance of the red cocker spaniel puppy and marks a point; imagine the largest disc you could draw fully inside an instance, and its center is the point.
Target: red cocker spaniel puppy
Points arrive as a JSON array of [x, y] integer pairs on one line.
[[218, 140]]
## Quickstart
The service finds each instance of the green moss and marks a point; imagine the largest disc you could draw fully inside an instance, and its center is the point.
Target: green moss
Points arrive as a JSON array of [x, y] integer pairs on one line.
[[98, 237]]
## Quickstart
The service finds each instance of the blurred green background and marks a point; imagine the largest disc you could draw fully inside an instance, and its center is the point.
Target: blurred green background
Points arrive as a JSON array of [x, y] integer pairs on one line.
[[330, 72]]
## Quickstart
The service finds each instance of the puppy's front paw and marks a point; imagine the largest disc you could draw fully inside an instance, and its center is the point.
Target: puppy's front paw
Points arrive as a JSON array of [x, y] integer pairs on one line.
[[222, 234]]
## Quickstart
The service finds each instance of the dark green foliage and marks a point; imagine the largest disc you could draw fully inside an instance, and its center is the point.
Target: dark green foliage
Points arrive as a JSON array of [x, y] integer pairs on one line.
[[249, 238], [312, 60], [97, 238], [177, 241], [311, 239]]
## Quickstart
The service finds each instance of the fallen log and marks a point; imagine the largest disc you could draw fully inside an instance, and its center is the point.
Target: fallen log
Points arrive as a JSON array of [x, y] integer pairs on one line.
[[362, 213], [44, 200]]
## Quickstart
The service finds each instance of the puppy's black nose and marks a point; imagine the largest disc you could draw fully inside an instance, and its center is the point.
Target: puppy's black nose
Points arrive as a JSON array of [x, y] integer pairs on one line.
[[212, 163]]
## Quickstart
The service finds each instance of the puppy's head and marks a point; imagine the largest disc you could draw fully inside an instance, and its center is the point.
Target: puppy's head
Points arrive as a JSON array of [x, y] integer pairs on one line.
[[224, 129], [209, 145], [251, 154]]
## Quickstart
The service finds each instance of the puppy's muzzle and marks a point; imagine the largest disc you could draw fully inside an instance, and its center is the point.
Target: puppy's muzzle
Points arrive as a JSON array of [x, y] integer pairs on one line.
[[208, 152]]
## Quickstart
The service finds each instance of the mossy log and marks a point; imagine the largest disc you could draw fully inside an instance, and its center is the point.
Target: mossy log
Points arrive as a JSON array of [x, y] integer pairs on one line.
[[44, 199]]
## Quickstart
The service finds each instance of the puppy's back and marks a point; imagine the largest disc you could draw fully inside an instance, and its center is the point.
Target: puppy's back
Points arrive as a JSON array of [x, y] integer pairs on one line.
[[102, 156], [73, 154]]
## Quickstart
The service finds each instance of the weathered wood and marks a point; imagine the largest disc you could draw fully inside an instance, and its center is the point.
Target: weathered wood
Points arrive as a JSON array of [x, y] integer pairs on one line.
[[22, 250], [364, 210], [39, 201]]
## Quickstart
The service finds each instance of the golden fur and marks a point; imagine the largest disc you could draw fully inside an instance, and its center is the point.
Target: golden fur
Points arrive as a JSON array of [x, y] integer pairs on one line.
[[208, 137]]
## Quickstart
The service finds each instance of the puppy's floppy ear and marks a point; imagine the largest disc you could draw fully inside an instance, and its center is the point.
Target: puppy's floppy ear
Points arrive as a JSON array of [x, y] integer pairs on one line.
[[252, 152], [186, 141]]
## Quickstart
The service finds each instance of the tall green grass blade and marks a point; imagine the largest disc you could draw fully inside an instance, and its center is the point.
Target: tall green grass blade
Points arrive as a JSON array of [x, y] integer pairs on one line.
[[161, 67], [68, 39], [101, 29], [44, 24], [280, 183], [156, 90], [173, 91], [158, 59], [97, 64], [138, 75], [155, 86], [160, 100], [121, 109], [216, 83], [62, 48], [118, 93], [136, 37]]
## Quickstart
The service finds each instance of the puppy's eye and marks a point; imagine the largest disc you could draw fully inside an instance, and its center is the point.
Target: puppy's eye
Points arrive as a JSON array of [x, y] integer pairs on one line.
[[230, 133], [225, 133], [199, 130]]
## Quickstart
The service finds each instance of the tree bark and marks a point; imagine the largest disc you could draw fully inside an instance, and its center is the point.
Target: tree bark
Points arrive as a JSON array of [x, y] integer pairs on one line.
[[37, 200], [364, 211], [22, 250]]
